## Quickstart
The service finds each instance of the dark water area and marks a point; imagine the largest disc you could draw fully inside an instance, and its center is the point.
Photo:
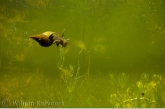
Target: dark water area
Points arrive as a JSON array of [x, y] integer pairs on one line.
[[110, 42]]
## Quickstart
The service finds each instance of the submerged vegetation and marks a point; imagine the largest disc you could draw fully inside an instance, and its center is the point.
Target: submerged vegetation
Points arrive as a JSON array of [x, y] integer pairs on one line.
[[145, 93], [75, 91], [81, 45]]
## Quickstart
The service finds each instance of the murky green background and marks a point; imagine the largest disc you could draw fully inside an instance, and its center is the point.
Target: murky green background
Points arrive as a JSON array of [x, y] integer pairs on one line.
[[106, 36]]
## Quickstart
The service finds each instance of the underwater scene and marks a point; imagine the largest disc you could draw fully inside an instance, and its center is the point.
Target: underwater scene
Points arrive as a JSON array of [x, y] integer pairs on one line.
[[82, 53]]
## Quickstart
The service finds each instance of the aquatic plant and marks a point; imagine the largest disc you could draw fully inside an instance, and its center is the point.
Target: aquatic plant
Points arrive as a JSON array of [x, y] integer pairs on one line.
[[81, 45], [111, 78], [69, 78], [9, 90], [74, 93], [71, 84], [122, 80], [88, 68], [20, 57], [19, 17], [60, 58], [144, 94], [38, 3], [100, 48]]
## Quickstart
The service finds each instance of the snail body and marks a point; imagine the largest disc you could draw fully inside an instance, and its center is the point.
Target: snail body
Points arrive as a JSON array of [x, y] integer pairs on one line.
[[48, 38]]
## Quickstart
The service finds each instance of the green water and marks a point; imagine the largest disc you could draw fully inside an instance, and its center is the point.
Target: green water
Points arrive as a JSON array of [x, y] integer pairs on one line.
[[114, 58]]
